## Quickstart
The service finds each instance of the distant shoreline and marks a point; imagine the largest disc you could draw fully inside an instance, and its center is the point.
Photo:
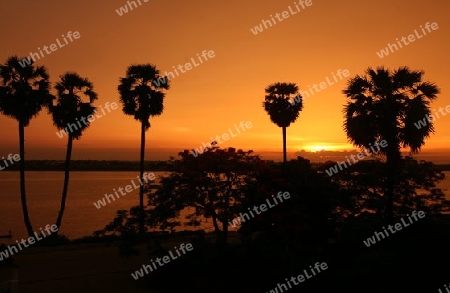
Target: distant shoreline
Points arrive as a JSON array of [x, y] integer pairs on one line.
[[118, 166], [92, 165]]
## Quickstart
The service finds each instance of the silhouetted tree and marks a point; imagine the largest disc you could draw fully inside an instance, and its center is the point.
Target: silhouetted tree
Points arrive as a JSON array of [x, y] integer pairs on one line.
[[71, 114], [416, 189], [213, 184], [384, 105], [306, 220], [141, 96], [282, 111], [24, 92]]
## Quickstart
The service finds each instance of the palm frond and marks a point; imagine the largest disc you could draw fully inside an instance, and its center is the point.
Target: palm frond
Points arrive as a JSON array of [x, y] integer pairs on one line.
[[387, 105], [140, 92]]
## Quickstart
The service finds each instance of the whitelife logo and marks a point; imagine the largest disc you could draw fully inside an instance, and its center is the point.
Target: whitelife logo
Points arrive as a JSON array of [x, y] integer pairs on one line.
[[128, 189], [360, 155], [188, 66], [27, 61], [285, 14], [89, 118], [317, 269], [124, 9], [411, 38], [323, 85], [429, 118], [166, 259], [263, 207], [31, 240], [10, 158], [225, 137], [397, 226]]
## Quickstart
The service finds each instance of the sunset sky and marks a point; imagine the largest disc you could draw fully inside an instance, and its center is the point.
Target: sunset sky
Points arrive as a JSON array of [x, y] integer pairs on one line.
[[305, 48]]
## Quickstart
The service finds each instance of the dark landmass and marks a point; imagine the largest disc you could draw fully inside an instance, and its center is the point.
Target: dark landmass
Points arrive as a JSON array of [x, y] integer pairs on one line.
[[443, 167], [93, 165]]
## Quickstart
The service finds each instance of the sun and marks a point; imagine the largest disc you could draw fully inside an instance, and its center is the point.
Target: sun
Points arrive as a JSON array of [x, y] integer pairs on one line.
[[320, 147], [317, 148]]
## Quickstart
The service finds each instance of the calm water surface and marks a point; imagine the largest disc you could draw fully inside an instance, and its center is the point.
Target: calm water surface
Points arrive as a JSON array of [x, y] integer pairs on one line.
[[81, 217]]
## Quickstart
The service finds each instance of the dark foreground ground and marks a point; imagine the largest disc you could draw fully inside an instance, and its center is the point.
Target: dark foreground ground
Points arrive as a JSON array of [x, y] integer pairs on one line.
[[415, 259], [77, 268]]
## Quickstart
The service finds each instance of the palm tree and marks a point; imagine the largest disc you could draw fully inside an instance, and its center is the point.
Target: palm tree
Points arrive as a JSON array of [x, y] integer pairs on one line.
[[281, 109], [141, 96], [384, 105], [24, 92], [70, 113]]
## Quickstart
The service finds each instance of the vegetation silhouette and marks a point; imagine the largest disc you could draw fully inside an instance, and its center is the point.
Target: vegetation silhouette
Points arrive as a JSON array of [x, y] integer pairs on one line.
[[325, 219], [142, 97], [213, 184], [383, 105], [24, 92], [364, 186], [70, 109], [279, 107]]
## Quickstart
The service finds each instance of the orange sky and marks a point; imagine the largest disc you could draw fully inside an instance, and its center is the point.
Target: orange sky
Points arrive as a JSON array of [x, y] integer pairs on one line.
[[304, 48]]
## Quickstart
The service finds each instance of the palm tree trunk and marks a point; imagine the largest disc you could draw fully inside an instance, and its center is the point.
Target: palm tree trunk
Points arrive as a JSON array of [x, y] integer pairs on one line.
[[141, 189], [22, 180], [284, 144], [66, 182]]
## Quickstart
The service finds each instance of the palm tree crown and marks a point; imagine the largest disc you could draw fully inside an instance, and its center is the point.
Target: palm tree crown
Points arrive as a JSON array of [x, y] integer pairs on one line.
[[140, 96], [70, 107], [277, 103], [281, 110], [25, 90], [385, 105]]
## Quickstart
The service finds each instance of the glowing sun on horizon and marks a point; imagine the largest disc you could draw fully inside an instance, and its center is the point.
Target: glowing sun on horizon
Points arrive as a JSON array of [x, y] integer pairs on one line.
[[318, 148]]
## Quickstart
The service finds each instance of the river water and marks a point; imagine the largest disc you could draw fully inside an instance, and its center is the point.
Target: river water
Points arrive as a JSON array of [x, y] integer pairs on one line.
[[81, 217]]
